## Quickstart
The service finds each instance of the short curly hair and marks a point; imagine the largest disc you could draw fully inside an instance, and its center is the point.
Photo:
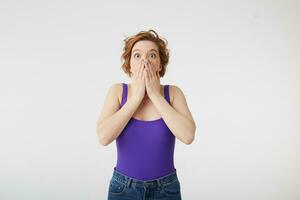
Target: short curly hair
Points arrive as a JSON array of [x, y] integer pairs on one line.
[[151, 35]]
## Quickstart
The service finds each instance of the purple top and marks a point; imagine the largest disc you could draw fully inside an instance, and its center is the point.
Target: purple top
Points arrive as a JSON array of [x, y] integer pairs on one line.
[[145, 149]]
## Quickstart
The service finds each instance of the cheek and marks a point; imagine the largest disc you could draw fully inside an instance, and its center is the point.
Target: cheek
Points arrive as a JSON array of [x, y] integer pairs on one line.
[[155, 64], [156, 61], [134, 65]]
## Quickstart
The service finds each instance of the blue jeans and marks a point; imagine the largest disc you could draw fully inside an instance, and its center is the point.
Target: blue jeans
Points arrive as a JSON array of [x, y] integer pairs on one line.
[[122, 187]]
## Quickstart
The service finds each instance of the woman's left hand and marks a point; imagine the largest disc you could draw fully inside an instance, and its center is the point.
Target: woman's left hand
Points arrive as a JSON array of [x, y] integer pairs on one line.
[[152, 80]]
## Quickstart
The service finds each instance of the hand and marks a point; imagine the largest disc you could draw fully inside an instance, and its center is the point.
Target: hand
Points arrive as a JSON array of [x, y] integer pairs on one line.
[[152, 80], [138, 84]]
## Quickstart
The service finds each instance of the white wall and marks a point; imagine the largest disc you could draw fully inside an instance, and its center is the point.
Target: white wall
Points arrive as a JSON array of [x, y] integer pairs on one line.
[[236, 62]]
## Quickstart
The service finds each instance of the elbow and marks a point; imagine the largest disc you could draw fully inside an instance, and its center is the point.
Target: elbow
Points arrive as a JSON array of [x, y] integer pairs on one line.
[[101, 138], [103, 141], [189, 140]]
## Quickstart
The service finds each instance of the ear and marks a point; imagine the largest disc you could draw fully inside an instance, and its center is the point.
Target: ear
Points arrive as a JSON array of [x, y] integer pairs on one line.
[[158, 72], [130, 72], [159, 68]]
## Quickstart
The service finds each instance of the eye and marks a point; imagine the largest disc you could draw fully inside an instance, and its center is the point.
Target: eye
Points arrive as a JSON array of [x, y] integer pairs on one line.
[[137, 54], [153, 55]]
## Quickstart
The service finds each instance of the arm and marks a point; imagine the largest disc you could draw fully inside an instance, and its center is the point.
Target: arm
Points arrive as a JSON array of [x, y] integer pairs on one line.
[[178, 118], [112, 120]]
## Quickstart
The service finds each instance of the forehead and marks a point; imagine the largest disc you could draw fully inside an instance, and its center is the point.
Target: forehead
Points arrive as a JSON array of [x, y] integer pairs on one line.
[[145, 45]]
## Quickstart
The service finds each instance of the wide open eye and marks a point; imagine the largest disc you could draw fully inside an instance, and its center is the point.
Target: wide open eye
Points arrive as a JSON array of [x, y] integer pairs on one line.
[[153, 55], [136, 55]]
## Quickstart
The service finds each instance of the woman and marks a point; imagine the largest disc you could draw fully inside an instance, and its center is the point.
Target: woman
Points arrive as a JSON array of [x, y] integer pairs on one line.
[[144, 118]]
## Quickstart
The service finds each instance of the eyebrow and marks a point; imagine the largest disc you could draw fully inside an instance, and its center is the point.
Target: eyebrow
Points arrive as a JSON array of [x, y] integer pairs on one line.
[[149, 50]]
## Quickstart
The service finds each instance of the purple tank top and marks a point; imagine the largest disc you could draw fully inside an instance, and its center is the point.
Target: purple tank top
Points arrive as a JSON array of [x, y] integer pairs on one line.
[[145, 149]]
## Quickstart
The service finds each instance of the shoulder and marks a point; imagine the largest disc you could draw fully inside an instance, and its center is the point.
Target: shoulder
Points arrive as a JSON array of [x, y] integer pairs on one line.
[[116, 89], [179, 102], [175, 93]]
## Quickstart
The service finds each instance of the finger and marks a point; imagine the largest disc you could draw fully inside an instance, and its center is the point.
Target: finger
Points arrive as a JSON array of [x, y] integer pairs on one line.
[[145, 73], [151, 70], [144, 76], [144, 68], [136, 74], [148, 74], [142, 73], [140, 70], [157, 74]]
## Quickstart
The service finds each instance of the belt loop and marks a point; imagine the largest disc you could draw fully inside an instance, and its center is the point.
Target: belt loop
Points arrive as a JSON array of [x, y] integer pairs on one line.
[[128, 182], [158, 182]]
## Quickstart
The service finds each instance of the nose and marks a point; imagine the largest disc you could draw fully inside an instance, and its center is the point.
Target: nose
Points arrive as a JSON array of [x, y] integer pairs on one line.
[[144, 57], [144, 61]]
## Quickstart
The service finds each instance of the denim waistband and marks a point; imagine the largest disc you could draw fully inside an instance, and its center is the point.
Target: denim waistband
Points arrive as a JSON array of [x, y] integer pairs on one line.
[[164, 180]]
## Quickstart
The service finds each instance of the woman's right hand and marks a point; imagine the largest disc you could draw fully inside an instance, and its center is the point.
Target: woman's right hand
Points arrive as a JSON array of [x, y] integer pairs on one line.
[[138, 83]]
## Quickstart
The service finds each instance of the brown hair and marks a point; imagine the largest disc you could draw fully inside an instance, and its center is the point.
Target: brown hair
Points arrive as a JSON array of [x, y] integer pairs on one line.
[[150, 35]]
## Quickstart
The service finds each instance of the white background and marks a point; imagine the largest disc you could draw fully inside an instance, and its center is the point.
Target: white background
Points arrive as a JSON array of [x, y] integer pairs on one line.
[[236, 62]]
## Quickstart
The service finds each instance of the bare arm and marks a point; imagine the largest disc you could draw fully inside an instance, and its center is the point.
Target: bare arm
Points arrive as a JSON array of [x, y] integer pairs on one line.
[[178, 118], [113, 120]]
